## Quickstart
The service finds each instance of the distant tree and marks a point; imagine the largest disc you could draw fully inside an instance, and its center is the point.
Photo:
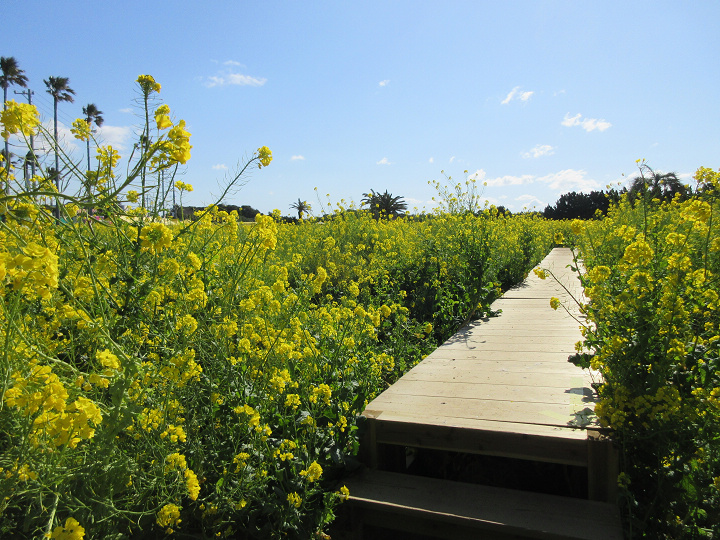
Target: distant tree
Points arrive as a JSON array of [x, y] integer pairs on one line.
[[58, 88], [575, 205], [656, 185], [11, 75], [384, 204], [92, 116], [302, 207]]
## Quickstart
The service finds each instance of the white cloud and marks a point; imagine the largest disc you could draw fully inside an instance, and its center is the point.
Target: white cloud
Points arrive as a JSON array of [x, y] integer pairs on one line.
[[510, 180], [588, 124], [220, 167], [478, 176], [530, 201], [384, 83], [43, 142], [236, 79], [569, 180], [126, 110], [516, 93], [298, 158], [229, 76], [383, 161], [559, 92], [452, 159], [539, 150], [115, 136], [562, 182], [431, 160]]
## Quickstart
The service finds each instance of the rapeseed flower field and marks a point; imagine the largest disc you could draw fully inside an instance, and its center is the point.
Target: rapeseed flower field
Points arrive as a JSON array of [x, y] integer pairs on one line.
[[206, 378], [653, 332]]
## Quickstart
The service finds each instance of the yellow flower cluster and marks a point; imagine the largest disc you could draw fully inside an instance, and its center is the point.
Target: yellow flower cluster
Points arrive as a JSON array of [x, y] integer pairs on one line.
[[72, 530], [33, 270], [148, 85], [177, 462], [19, 118], [80, 129], [41, 394], [169, 515], [313, 472], [155, 237], [265, 156]]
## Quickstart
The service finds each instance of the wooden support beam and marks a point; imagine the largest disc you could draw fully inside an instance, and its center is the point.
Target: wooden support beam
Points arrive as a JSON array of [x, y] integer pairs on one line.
[[603, 467]]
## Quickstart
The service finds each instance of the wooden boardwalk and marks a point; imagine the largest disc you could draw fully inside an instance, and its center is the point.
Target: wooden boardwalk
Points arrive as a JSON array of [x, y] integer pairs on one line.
[[501, 386]]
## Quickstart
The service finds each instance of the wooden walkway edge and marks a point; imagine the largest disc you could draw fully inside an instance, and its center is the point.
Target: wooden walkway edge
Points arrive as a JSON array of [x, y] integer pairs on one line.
[[502, 386]]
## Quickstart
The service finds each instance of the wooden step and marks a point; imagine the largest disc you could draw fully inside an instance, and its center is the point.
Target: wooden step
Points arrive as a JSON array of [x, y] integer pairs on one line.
[[477, 436], [453, 510]]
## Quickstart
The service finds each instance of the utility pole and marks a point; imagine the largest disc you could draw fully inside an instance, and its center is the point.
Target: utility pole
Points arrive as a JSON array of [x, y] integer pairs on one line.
[[28, 93]]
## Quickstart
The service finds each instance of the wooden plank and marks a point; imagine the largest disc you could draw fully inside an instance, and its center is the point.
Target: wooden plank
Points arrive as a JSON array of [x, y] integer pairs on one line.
[[481, 365], [520, 380], [461, 507], [518, 355], [552, 414], [418, 417], [500, 392], [511, 440]]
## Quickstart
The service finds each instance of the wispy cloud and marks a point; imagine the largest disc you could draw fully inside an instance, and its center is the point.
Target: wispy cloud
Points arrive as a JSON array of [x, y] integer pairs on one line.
[[126, 110], [383, 161], [588, 124], [510, 180], [298, 158], [529, 201], [384, 83], [539, 150], [116, 136], [220, 167], [452, 158], [561, 182], [517, 94], [66, 140], [569, 180], [230, 76], [431, 160]]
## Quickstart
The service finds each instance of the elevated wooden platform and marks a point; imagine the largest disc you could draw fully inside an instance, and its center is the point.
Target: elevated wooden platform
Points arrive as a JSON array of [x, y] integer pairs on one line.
[[502, 386], [429, 507]]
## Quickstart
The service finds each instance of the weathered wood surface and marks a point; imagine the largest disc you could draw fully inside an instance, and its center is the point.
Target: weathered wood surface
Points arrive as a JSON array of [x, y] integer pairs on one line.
[[455, 510], [507, 377]]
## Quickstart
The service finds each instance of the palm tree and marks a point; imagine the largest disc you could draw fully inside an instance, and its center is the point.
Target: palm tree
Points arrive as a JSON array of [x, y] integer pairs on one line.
[[58, 88], [11, 74], [384, 204], [92, 115], [301, 206], [658, 185]]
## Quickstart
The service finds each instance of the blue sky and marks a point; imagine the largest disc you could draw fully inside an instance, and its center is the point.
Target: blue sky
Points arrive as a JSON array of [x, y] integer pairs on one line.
[[535, 98]]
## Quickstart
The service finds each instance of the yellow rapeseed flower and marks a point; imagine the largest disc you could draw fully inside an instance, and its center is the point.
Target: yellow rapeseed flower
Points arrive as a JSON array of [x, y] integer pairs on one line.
[[147, 84], [19, 118], [72, 530], [313, 472], [80, 129], [155, 237], [169, 515], [265, 156]]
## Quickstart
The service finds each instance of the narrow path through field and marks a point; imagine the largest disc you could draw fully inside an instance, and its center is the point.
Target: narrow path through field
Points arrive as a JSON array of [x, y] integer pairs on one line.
[[502, 386]]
